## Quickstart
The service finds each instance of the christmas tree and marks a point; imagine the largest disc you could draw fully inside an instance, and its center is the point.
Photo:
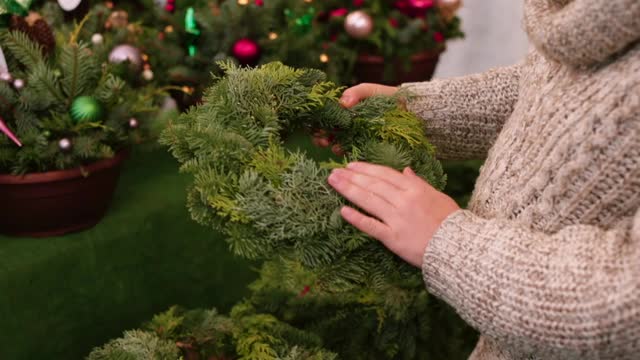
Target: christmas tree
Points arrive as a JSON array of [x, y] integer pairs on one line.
[[60, 107]]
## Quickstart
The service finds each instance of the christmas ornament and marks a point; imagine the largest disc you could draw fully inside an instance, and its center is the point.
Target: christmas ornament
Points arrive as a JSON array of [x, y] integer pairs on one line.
[[339, 12], [123, 53], [18, 84], [301, 24], [259, 2], [6, 77], [69, 5], [358, 24], [97, 39], [85, 109], [191, 27], [147, 74], [133, 123], [5, 129], [438, 37], [15, 7], [246, 51], [64, 144], [37, 29], [118, 19], [170, 6], [414, 8]]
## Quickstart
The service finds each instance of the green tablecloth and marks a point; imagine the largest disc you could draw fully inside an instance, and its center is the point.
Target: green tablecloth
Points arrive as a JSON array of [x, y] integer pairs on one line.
[[59, 297]]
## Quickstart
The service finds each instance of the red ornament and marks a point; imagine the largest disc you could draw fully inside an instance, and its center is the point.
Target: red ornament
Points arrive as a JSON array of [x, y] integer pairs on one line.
[[170, 6], [358, 3], [438, 37], [414, 8], [246, 51], [305, 291], [259, 2], [393, 22], [339, 12]]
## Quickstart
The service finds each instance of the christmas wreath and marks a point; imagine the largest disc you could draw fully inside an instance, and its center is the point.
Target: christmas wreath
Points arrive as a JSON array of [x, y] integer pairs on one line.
[[270, 197]]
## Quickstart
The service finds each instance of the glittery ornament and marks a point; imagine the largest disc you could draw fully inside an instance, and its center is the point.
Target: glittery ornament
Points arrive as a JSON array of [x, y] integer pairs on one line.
[[97, 39], [64, 144], [123, 53], [18, 84], [358, 24], [246, 51], [133, 123], [86, 109], [147, 74]]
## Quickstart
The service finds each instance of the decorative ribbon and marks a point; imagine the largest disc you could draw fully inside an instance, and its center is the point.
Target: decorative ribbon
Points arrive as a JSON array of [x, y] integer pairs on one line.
[[5, 129], [191, 27]]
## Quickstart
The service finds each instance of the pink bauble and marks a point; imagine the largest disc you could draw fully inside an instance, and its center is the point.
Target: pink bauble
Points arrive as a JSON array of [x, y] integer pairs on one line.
[[358, 24], [414, 8], [246, 51]]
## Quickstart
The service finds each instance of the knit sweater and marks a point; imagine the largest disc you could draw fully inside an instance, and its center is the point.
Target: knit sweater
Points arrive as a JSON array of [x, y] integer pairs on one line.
[[545, 262]]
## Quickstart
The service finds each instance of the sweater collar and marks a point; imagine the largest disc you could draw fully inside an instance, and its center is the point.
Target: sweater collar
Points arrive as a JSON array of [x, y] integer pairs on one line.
[[582, 32]]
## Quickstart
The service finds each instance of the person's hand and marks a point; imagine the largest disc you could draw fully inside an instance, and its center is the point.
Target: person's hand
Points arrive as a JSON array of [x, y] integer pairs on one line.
[[350, 98], [405, 211], [354, 95]]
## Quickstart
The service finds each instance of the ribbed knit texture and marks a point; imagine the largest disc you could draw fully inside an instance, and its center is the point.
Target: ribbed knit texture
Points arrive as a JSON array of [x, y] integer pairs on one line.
[[545, 262]]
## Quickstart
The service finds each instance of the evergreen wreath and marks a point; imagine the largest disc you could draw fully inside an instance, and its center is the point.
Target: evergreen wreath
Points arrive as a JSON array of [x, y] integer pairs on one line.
[[273, 201]]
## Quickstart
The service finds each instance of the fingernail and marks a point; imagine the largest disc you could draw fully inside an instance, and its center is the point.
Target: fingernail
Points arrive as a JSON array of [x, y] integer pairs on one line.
[[345, 100], [334, 178]]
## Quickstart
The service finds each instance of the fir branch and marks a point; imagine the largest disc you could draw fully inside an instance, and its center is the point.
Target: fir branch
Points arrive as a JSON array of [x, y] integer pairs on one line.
[[27, 52]]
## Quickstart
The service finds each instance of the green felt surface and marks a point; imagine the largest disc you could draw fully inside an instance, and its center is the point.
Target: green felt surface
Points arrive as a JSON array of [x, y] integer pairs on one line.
[[59, 297]]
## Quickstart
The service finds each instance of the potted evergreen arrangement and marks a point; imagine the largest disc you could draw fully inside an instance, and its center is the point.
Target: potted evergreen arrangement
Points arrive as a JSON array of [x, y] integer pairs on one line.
[[384, 41], [67, 123]]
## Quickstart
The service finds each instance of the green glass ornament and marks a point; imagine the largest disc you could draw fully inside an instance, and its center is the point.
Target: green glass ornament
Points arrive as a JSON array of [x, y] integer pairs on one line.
[[86, 109]]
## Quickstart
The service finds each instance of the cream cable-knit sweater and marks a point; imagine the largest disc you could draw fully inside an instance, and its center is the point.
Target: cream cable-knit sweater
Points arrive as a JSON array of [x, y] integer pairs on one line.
[[545, 262]]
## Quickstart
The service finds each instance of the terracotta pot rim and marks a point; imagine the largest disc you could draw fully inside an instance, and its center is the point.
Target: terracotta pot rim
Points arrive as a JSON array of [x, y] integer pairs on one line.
[[379, 59], [61, 175]]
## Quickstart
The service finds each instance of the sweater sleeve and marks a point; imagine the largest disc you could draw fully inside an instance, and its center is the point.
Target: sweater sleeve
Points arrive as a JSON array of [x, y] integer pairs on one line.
[[463, 116], [582, 32], [569, 294]]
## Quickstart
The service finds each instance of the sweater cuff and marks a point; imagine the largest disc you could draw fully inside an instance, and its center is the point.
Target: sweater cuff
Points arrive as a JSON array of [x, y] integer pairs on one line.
[[447, 258]]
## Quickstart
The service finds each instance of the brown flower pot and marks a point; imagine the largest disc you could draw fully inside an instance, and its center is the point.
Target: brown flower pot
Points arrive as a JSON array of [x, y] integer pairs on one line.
[[371, 68], [58, 202]]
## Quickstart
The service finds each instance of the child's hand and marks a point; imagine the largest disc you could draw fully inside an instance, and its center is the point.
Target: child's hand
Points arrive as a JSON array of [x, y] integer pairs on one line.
[[405, 210]]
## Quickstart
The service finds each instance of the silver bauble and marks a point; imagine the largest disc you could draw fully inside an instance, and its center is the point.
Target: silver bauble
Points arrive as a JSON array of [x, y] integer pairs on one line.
[[69, 5], [122, 53], [64, 144], [97, 39], [358, 24], [18, 84], [133, 123]]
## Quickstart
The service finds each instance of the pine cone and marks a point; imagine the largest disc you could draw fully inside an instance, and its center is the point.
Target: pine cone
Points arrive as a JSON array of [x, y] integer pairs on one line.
[[41, 32], [38, 31]]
